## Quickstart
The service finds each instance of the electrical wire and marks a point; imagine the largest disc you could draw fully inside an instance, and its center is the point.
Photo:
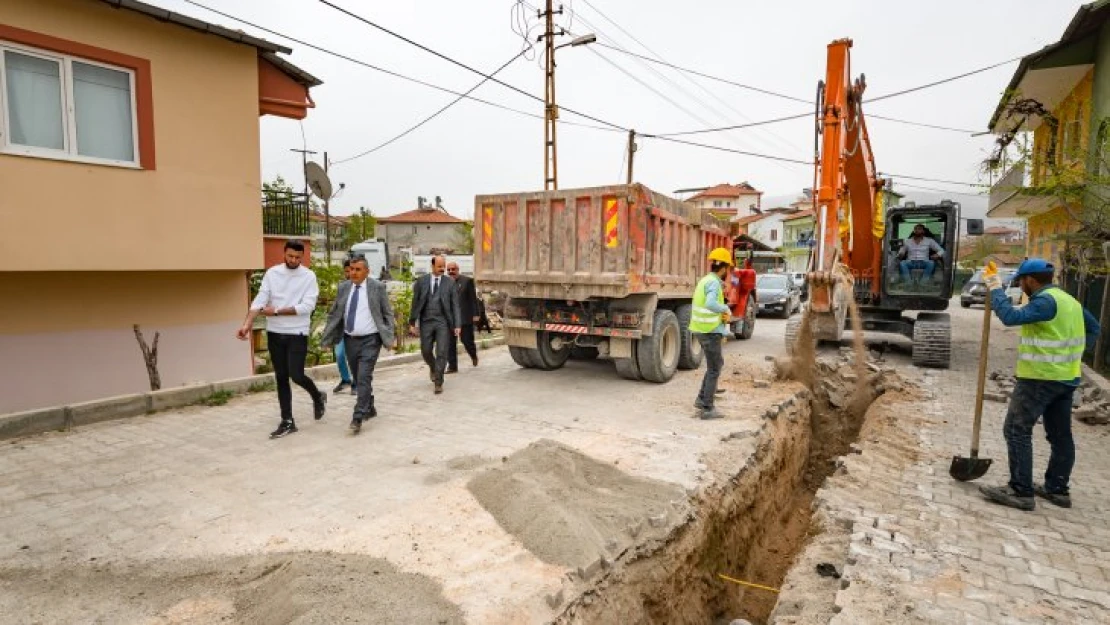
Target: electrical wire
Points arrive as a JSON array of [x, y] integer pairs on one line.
[[807, 114], [453, 61], [389, 72], [935, 190], [724, 149], [923, 125], [887, 174], [435, 114], [943, 80]]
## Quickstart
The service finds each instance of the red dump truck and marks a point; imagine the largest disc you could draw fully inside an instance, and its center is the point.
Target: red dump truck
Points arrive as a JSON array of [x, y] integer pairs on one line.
[[600, 271]]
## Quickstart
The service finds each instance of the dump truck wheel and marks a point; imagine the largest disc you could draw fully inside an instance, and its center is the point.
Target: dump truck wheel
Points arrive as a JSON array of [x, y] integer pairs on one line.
[[546, 356], [691, 356], [749, 319], [522, 356], [658, 354], [629, 368], [583, 352], [932, 340]]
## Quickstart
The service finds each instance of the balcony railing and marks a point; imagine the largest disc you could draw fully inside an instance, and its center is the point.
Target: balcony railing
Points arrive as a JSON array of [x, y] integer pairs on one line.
[[285, 214]]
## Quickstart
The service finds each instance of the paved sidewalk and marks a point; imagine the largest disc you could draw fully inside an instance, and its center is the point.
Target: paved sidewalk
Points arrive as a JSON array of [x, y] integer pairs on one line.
[[923, 548]]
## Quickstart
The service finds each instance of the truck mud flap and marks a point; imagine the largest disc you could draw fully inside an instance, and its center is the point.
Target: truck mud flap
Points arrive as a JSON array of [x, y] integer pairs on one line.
[[521, 337]]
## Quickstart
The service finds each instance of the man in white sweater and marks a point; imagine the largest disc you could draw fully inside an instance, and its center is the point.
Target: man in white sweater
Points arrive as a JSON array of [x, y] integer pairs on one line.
[[288, 297]]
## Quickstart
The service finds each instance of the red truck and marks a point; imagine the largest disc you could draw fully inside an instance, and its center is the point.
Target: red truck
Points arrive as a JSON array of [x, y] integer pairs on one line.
[[601, 271]]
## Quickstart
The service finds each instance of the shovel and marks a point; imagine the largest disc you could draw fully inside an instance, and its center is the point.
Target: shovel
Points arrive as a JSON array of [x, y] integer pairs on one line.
[[974, 467]]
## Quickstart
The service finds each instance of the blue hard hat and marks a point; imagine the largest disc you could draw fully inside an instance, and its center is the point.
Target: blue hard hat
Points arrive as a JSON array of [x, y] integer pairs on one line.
[[1034, 265]]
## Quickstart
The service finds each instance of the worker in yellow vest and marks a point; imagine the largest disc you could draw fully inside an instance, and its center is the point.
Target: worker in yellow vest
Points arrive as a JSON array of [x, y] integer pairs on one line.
[[1055, 331], [709, 319]]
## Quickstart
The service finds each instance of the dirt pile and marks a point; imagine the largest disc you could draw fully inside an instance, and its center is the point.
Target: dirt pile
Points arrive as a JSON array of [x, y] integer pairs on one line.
[[303, 588], [1091, 405], [572, 510]]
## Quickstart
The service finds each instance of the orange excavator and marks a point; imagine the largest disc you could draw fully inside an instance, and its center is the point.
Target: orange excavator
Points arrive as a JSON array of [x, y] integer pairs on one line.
[[884, 260]]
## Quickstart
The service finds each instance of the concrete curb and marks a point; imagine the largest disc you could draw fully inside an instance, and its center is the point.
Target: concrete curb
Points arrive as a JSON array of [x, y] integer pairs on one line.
[[19, 424]]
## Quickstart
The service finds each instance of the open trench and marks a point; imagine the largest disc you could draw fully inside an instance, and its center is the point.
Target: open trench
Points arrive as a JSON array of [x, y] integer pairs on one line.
[[756, 519]]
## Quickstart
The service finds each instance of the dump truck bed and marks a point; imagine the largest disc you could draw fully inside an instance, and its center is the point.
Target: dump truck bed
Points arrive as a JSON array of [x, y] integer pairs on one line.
[[577, 244]]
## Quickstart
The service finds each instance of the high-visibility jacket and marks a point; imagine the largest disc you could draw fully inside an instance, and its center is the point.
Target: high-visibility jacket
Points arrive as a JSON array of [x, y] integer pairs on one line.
[[1053, 349], [703, 320]]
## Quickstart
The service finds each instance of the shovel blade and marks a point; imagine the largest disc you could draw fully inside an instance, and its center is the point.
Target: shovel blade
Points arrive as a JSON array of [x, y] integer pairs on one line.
[[967, 469]]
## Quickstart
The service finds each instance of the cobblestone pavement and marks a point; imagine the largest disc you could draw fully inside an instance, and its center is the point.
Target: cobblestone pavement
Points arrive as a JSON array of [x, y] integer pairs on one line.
[[205, 482], [922, 547]]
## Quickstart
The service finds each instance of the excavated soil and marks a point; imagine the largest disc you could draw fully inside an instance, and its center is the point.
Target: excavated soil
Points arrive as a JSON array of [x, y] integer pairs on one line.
[[300, 588], [570, 509], [752, 522]]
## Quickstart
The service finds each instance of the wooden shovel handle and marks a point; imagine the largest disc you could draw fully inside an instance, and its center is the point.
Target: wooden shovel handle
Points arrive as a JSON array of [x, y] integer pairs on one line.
[[982, 376]]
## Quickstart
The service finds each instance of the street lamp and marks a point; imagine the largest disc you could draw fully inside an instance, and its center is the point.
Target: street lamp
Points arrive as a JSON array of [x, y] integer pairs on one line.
[[550, 110]]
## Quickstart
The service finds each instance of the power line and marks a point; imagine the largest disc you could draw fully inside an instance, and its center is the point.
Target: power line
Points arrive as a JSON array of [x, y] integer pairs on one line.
[[386, 71], [887, 174], [437, 113], [943, 80], [463, 65], [923, 125], [935, 190], [738, 126], [723, 149]]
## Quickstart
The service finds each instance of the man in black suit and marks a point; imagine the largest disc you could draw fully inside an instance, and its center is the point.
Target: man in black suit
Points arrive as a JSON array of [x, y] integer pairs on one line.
[[468, 305], [435, 307]]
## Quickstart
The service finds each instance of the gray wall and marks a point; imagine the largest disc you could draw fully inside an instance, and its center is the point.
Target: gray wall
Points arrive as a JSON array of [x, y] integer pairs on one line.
[[421, 237]]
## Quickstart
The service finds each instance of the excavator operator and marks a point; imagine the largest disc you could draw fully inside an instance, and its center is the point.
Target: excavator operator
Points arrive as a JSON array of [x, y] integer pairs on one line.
[[919, 252], [709, 319]]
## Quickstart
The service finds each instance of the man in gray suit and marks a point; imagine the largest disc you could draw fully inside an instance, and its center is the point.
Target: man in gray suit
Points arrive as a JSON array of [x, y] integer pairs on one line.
[[435, 307], [362, 317]]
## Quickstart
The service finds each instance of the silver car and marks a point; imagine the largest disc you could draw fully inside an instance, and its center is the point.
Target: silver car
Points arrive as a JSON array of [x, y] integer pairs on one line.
[[777, 293]]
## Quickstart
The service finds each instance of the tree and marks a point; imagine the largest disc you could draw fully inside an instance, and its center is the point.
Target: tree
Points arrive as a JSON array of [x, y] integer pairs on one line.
[[360, 227], [464, 238], [280, 189]]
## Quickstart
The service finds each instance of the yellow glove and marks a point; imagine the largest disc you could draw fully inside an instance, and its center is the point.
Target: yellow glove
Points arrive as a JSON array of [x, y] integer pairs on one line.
[[991, 277], [725, 318]]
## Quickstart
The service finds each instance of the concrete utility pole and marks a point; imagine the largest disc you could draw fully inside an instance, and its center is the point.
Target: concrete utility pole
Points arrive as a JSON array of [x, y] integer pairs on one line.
[[631, 152], [327, 218], [550, 110]]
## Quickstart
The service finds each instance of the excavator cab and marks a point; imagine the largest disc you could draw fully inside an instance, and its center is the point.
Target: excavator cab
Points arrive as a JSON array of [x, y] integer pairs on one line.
[[910, 282]]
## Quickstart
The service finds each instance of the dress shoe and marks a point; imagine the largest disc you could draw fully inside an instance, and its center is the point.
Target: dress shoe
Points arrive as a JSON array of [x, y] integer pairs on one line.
[[452, 371], [474, 360], [439, 389]]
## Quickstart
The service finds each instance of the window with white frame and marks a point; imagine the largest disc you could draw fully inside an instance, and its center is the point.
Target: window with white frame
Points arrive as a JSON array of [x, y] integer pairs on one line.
[[59, 106]]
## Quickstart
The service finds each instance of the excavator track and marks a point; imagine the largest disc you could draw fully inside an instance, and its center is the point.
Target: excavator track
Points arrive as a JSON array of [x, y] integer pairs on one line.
[[932, 340]]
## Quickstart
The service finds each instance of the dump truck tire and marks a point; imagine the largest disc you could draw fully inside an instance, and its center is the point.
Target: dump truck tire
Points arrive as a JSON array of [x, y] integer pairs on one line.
[[522, 356], [629, 368], [658, 354], [547, 357], [691, 356], [932, 340]]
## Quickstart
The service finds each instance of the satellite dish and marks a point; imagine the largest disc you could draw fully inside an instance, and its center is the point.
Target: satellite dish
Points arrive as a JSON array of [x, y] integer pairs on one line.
[[318, 181]]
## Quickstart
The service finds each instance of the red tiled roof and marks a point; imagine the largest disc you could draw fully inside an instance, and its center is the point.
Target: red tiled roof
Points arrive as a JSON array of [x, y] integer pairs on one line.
[[728, 190], [743, 221], [800, 214], [421, 216]]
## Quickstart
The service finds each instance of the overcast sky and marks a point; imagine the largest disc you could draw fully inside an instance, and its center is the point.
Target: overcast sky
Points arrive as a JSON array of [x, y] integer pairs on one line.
[[779, 46]]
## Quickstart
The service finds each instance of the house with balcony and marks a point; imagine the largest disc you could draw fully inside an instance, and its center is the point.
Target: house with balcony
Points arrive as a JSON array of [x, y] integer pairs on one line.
[[1059, 102], [798, 239], [136, 129], [426, 229]]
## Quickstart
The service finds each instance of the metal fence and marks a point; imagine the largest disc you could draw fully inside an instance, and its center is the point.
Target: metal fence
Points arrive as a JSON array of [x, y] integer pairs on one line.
[[285, 214]]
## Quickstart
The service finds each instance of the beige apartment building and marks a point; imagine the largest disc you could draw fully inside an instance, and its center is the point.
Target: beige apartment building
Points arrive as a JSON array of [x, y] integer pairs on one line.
[[129, 146]]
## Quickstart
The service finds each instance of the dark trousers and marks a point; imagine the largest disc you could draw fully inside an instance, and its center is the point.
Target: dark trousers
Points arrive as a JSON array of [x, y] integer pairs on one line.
[[362, 356], [467, 341], [287, 354], [435, 339], [1032, 399], [714, 362]]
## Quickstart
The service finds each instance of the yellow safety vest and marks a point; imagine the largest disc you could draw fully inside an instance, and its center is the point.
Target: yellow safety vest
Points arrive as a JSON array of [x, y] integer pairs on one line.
[[703, 320], [1053, 349]]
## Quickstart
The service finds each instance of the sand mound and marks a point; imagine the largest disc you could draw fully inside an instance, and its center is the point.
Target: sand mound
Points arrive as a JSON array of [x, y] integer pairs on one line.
[[570, 509], [302, 588]]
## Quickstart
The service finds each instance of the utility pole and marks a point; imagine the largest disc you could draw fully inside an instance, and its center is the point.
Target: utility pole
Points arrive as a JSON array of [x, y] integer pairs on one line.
[[551, 111], [631, 152], [304, 168], [327, 218]]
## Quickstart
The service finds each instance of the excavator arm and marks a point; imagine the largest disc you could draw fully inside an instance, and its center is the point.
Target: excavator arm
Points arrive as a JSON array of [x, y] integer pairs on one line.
[[849, 193]]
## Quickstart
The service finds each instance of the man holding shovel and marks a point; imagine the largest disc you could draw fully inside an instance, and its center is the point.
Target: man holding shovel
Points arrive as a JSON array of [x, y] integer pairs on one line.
[[1055, 331]]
